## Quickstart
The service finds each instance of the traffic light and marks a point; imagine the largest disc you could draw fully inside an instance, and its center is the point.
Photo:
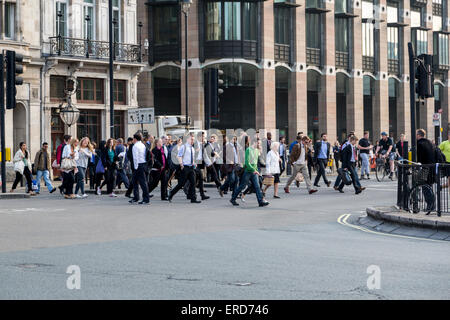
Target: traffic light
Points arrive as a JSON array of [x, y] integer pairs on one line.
[[215, 90], [425, 77], [13, 67]]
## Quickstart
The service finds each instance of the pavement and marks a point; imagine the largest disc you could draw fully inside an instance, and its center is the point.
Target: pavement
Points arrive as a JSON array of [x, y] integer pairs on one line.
[[299, 247]]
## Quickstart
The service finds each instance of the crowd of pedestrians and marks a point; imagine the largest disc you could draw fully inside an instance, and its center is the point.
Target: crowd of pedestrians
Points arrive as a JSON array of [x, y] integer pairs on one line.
[[242, 165]]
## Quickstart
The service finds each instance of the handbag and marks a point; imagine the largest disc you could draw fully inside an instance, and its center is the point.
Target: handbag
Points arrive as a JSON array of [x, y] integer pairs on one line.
[[67, 164], [99, 168], [55, 164], [299, 177], [345, 176], [268, 180]]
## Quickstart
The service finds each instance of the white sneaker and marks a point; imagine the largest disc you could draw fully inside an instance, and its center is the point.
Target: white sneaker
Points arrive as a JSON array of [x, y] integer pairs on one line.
[[99, 191], [113, 195], [84, 195], [78, 196]]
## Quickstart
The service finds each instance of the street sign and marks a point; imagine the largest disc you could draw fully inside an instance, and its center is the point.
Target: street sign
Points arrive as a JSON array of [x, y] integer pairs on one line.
[[436, 119], [141, 116]]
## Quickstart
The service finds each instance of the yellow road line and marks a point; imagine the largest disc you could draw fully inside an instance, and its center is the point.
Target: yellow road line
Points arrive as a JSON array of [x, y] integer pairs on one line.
[[343, 220]]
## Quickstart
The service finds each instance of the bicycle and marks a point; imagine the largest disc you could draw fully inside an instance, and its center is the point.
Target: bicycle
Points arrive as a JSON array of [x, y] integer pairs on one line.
[[383, 169], [420, 197]]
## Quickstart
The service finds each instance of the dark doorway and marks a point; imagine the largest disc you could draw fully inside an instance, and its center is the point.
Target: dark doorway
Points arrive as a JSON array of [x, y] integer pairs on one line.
[[167, 91]]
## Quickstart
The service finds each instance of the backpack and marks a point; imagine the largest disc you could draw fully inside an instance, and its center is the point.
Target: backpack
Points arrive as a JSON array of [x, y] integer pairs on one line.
[[439, 155]]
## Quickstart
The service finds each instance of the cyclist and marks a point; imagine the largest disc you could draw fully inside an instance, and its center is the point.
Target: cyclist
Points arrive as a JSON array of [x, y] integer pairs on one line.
[[385, 148]]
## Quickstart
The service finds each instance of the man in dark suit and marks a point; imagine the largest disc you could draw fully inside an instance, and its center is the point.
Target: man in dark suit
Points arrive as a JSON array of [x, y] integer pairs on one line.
[[322, 150], [349, 158]]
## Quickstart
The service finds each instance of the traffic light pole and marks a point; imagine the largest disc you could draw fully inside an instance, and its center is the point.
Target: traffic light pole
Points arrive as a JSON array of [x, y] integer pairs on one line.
[[412, 99], [2, 121]]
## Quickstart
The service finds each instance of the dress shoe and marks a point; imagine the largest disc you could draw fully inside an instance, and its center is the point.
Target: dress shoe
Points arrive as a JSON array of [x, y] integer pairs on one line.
[[150, 195], [312, 191], [221, 193], [234, 203], [358, 191], [53, 190], [170, 198], [328, 184], [316, 185], [340, 190], [263, 204], [286, 190], [132, 201], [276, 197], [165, 199], [297, 184], [195, 201], [362, 188], [336, 188], [143, 202], [205, 197]]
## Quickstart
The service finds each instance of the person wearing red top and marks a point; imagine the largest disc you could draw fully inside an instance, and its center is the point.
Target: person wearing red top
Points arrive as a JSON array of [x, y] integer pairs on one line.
[[159, 169]]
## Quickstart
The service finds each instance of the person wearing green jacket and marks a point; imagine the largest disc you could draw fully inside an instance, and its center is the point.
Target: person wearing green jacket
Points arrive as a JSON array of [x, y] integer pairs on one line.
[[250, 174]]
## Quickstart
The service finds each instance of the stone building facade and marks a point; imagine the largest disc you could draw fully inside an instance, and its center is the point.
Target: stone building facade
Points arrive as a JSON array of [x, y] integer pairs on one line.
[[306, 65]]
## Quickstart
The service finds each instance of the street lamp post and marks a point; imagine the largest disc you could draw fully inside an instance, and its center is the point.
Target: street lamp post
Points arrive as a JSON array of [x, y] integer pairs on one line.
[[87, 18], [140, 25], [185, 5], [59, 31], [111, 69]]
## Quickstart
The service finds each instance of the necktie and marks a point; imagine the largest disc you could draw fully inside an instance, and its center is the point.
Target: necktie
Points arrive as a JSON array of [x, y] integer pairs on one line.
[[192, 157]]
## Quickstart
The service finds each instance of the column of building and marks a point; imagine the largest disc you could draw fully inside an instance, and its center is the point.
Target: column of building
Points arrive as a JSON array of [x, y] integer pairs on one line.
[[327, 95], [403, 100], [265, 91], [427, 108], [380, 114], [445, 99], [195, 73], [355, 105], [298, 120]]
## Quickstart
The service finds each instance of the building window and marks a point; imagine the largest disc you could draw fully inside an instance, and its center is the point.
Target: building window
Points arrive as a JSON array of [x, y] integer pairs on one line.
[[235, 20], [90, 91], [61, 29], [232, 20], [213, 21], [368, 39], [10, 20], [57, 86], [440, 48], [340, 6], [282, 17], [392, 12], [392, 38], [367, 10], [313, 30], [120, 91], [165, 23], [89, 26], [119, 124], [420, 41], [437, 15], [89, 125], [341, 32], [250, 18], [116, 16]]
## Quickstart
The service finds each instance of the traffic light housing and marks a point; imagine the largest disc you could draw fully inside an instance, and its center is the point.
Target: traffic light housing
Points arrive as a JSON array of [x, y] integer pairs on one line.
[[425, 76], [13, 67], [213, 90]]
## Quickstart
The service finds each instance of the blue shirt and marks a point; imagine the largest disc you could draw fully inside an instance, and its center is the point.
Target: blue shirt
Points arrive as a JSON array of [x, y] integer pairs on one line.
[[292, 145], [281, 150], [323, 151], [187, 153]]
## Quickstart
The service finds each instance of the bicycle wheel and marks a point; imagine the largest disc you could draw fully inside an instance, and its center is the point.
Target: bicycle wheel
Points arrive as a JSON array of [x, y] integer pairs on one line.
[[421, 198], [380, 172]]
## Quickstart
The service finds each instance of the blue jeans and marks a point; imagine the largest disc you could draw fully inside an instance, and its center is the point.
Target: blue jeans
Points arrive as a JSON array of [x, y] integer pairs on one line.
[[122, 177], [80, 177], [365, 167], [230, 182], [46, 175], [246, 178]]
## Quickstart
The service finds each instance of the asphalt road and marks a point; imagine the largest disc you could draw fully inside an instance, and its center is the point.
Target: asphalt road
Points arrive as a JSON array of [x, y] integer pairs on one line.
[[292, 249]]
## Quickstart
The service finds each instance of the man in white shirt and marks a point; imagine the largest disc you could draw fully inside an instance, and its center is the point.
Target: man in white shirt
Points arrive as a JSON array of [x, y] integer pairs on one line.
[[139, 152], [186, 159]]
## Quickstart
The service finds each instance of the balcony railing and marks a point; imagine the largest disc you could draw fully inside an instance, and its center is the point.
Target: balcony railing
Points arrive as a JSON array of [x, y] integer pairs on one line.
[[419, 3], [368, 63], [341, 58], [393, 66], [313, 56], [93, 49], [282, 52]]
